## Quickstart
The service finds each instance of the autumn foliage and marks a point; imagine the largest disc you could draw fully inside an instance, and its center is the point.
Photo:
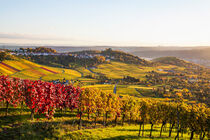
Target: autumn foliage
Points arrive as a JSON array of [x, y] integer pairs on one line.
[[39, 96], [45, 98]]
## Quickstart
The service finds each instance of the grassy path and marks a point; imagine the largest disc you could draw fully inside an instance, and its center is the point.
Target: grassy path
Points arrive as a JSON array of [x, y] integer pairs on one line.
[[139, 92], [91, 71]]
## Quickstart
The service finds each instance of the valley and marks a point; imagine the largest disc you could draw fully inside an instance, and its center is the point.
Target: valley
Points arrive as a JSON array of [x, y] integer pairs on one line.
[[88, 93]]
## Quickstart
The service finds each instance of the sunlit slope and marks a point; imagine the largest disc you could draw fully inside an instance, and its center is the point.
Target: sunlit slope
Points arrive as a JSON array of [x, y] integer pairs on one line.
[[25, 69], [175, 61], [28, 70], [132, 90], [117, 70], [5, 70]]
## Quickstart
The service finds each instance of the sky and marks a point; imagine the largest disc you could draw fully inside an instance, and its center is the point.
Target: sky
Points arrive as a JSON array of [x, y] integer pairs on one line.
[[105, 22]]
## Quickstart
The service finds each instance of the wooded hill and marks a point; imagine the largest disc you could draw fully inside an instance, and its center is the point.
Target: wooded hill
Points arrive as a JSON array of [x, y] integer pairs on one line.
[[117, 55], [86, 58], [5, 56], [176, 61], [38, 50]]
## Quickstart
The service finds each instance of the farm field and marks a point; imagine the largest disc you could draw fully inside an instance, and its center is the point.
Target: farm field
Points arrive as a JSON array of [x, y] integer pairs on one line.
[[117, 70], [25, 69]]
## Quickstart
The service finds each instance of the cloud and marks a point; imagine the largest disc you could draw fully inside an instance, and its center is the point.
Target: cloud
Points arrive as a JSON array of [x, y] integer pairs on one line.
[[15, 38], [32, 37], [44, 39]]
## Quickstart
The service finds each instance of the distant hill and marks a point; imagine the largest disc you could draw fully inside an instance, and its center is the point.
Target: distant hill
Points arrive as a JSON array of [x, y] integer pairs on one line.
[[195, 55], [25, 69], [38, 50], [117, 55], [198, 55], [6, 56], [175, 61]]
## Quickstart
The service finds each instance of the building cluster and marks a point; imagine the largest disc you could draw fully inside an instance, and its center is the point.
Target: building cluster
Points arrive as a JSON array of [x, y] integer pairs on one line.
[[84, 55], [33, 53], [87, 56]]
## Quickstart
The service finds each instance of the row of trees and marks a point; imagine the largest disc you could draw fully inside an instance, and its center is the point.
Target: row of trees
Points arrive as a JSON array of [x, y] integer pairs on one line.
[[105, 107], [5, 56], [67, 61], [39, 96], [37, 50]]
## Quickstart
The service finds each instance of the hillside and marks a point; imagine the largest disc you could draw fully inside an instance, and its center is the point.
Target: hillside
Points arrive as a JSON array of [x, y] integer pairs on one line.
[[37, 50], [25, 69], [196, 55], [118, 70], [121, 92], [116, 55], [132, 79], [6, 56], [175, 61]]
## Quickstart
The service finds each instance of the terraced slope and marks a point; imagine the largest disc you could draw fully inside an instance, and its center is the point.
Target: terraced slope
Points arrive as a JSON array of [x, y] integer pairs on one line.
[[28, 70], [117, 70]]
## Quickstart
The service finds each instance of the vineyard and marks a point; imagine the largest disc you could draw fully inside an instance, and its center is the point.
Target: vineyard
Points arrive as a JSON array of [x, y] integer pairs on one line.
[[90, 108]]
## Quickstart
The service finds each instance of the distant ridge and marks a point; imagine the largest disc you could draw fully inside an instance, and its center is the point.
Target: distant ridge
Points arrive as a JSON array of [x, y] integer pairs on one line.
[[175, 61]]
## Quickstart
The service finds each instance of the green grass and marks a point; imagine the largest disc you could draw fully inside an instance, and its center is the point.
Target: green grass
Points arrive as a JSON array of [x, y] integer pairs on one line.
[[122, 132], [64, 126]]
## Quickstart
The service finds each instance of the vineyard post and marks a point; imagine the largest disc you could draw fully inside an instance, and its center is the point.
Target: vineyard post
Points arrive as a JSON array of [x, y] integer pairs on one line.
[[151, 129], [192, 117], [140, 124], [203, 135], [143, 129], [88, 114], [171, 128], [172, 122], [163, 123], [177, 136], [80, 112], [32, 114], [95, 118], [192, 134], [7, 108], [123, 118], [80, 120], [24, 93], [116, 119], [106, 118], [130, 118], [21, 108]]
